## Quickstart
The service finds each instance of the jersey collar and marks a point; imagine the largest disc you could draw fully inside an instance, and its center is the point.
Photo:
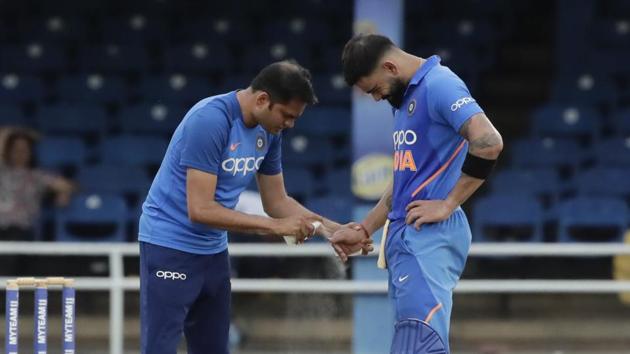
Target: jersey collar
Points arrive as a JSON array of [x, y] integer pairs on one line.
[[431, 62]]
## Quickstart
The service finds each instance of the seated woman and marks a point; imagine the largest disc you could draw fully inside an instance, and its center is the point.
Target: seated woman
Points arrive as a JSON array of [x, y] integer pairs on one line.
[[22, 187]]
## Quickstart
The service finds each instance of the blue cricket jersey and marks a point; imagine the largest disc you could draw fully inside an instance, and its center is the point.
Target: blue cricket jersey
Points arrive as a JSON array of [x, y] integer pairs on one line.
[[428, 150], [212, 138]]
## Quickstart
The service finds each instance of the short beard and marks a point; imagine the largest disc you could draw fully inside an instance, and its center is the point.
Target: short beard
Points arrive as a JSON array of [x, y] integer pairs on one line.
[[396, 93]]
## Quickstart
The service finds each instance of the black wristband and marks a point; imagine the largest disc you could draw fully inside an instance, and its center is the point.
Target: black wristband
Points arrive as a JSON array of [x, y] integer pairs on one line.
[[478, 167]]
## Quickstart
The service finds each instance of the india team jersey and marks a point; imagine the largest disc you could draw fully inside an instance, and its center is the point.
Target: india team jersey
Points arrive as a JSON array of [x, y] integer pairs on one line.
[[212, 138], [428, 149]]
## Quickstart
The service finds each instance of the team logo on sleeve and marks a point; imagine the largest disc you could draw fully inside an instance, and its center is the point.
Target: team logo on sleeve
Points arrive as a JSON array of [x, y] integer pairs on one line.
[[412, 107], [260, 142], [461, 102]]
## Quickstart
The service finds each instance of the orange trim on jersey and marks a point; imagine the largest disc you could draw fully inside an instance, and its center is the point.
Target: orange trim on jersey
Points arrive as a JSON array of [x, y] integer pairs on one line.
[[432, 312], [438, 172]]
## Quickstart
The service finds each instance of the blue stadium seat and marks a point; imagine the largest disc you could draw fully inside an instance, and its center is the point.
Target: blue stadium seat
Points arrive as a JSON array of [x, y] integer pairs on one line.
[[33, 58], [592, 219], [114, 59], [605, 182], [543, 183], [258, 56], [297, 29], [198, 57], [219, 30], [176, 88], [131, 182], [72, 119], [546, 153], [148, 118], [298, 182], [586, 88], [92, 217], [507, 218], [12, 115], [53, 29], [613, 152], [305, 151], [133, 150], [92, 88], [135, 29], [622, 123], [322, 121], [331, 89], [61, 152], [336, 208], [15, 88], [610, 34], [338, 182], [566, 121]]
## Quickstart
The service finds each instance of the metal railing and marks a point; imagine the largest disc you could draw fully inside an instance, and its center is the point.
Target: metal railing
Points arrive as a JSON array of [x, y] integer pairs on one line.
[[117, 283]]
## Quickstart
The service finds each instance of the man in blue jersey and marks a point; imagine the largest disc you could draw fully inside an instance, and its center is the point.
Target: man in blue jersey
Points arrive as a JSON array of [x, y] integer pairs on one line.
[[215, 152], [444, 149]]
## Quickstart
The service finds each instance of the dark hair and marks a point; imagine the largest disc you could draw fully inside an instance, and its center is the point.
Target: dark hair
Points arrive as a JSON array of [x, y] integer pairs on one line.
[[285, 81], [10, 141], [361, 55]]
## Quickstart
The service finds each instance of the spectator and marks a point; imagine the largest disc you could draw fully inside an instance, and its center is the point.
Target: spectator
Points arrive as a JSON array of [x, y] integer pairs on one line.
[[22, 186]]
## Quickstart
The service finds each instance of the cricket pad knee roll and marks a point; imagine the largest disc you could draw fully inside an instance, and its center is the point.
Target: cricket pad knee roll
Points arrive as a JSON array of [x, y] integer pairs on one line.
[[416, 337]]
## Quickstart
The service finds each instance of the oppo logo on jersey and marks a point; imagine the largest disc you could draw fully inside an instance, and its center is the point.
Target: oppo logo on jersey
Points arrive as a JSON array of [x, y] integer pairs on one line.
[[241, 165], [404, 137], [461, 102], [403, 158]]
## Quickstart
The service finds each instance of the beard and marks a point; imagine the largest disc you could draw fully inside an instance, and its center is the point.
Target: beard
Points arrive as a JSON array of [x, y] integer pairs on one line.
[[396, 93]]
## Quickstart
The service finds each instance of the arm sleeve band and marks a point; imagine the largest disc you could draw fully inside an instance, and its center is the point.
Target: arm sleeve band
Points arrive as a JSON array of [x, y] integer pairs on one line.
[[478, 167]]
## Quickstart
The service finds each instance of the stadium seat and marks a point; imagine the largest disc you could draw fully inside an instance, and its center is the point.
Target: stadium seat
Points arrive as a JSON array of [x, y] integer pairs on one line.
[[231, 31], [298, 182], [198, 57], [612, 152], [336, 208], [146, 118], [621, 121], [322, 121], [114, 58], [507, 218], [557, 120], [12, 115], [297, 29], [331, 89], [592, 219], [72, 119], [16, 88], [605, 182], [258, 56], [338, 182], [92, 217], [134, 29], [58, 29], [587, 88], [175, 88], [542, 183], [546, 153], [133, 150], [61, 152], [130, 182], [33, 58], [305, 151], [91, 88]]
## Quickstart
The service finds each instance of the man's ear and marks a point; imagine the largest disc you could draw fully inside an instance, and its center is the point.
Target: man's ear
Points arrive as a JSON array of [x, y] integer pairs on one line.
[[390, 67]]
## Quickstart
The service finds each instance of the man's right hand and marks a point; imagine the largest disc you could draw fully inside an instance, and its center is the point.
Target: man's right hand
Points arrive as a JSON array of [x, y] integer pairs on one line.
[[299, 226]]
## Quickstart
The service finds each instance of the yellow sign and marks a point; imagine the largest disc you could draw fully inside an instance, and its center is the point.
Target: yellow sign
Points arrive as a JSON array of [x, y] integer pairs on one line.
[[371, 174]]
